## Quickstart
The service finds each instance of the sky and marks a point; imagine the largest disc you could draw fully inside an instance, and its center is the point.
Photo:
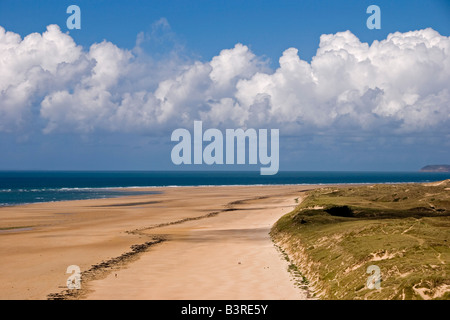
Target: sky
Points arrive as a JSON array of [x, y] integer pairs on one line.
[[108, 96]]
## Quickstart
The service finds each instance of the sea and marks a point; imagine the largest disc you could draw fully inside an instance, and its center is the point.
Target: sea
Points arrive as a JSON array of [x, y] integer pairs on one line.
[[23, 187]]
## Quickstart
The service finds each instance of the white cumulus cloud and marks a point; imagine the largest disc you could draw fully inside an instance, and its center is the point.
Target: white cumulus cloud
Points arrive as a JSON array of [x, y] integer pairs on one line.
[[400, 84]]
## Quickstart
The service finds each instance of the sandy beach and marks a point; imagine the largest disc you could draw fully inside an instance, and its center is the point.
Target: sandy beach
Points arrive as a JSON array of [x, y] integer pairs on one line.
[[183, 243]]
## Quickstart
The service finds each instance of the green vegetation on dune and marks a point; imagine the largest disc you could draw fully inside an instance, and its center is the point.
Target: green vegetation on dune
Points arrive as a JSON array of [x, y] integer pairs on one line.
[[335, 234]]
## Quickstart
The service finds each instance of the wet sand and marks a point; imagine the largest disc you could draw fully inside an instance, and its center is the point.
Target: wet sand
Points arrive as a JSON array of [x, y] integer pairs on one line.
[[188, 243]]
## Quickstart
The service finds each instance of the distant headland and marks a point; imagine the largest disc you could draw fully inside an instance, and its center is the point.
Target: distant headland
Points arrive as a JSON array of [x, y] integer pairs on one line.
[[436, 168]]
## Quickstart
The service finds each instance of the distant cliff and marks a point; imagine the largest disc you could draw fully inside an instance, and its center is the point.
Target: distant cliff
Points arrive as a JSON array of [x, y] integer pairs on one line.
[[436, 168]]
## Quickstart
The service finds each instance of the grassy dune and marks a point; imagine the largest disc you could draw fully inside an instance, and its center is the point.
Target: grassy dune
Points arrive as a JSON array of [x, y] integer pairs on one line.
[[335, 234]]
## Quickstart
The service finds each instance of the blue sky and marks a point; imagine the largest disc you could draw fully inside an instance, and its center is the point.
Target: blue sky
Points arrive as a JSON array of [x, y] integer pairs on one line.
[[404, 126], [206, 27]]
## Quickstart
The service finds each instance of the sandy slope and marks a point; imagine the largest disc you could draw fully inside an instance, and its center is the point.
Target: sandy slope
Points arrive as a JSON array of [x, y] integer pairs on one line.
[[228, 255]]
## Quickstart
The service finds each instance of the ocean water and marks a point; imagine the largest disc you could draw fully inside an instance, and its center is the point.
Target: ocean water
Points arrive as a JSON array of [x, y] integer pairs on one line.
[[19, 187]]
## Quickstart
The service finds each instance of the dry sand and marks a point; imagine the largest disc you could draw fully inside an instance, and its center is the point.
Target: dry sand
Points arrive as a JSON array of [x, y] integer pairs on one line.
[[216, 245]]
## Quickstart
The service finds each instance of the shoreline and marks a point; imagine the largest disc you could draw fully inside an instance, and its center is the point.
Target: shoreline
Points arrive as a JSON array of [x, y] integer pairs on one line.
[[145, 189], [214, 224]]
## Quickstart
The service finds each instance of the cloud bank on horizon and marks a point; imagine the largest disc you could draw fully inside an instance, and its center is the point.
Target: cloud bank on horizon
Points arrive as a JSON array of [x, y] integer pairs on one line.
[[396, 86]]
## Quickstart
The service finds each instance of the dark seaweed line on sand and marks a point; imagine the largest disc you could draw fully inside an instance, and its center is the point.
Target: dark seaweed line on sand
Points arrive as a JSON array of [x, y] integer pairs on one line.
[[104, 268], [165, 224], [228, 207], [128, 204]]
